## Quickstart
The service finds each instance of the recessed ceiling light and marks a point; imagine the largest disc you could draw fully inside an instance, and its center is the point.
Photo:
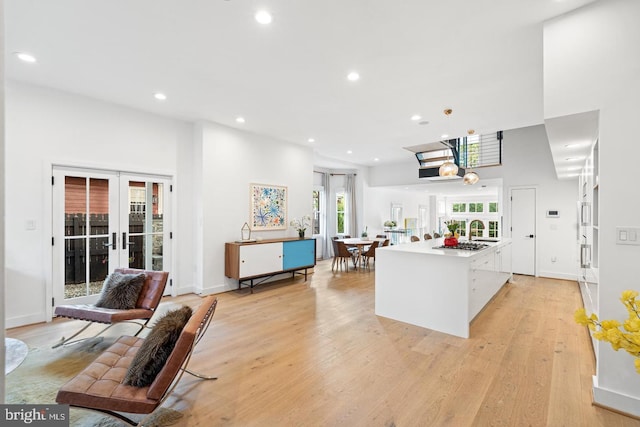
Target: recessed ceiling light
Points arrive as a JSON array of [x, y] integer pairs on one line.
[[26, 57], [444, 135], [353, 76], [263, 17], [571, 159], [311, 140], [349, 151], [376, 159], [160, 96], [416, 117], [240, 119]]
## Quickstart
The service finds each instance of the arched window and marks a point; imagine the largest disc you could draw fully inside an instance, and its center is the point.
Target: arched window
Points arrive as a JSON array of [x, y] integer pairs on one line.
[[476, 228]]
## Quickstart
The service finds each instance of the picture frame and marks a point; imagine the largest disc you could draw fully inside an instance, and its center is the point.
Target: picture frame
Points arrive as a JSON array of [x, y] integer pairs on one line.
[[268, 207]]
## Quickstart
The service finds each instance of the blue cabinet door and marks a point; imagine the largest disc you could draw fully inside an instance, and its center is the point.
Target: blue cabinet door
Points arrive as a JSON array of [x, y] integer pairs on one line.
[[298, 253]]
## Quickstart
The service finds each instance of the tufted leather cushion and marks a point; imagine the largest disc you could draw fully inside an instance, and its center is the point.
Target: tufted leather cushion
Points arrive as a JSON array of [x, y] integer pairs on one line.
[[100, 384], [101, 315]]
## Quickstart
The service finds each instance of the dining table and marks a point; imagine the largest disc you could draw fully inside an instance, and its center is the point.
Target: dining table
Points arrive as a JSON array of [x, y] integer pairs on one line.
[[360, 243]]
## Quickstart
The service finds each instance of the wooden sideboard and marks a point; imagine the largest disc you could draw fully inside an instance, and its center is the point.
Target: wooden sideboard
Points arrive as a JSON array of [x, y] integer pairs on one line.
[[263, 259]]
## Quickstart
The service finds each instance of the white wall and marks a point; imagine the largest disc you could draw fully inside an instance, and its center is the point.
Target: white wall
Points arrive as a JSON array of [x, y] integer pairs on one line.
[[231, 160], [45, 127], [378, 206], [592, 63], [527, 161]]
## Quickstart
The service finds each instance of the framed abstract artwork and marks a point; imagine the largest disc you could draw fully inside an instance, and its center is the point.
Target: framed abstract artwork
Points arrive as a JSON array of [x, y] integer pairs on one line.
[[268, 207]]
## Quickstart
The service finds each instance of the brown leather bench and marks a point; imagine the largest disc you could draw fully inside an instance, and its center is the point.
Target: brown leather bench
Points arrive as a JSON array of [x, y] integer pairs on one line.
[[100, 386]]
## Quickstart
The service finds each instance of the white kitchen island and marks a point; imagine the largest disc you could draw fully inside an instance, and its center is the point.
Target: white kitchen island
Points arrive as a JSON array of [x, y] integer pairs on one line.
[[439, 289]]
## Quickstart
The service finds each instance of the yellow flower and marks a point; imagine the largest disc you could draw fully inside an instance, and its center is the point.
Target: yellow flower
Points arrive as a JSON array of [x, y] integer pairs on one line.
[[580, 316], [624, 335], [632, 325], [610, 324], [628, 294]]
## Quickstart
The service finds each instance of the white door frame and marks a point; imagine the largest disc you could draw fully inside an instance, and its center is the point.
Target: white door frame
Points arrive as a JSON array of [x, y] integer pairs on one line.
[[123, 247], [535, 245]]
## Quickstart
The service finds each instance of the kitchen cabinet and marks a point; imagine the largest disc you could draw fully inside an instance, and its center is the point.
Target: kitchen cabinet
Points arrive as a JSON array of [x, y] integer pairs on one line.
[[246, 262], [488, 273], [440, 289]]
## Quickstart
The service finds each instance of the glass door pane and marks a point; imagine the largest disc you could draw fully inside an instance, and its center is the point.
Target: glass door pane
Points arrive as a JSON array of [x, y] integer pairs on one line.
[[86, 235], [146, 218]]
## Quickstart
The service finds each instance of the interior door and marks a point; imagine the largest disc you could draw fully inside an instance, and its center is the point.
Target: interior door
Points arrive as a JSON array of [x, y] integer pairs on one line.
[[523, 230], [85, 217], [145, 233]]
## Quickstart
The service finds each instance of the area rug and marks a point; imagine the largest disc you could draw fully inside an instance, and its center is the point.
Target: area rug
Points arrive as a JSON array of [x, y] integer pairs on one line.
[[45, 370], [15, 351]]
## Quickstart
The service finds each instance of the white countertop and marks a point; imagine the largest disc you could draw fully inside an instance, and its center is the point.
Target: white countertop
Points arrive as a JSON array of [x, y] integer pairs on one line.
[[429, 247]]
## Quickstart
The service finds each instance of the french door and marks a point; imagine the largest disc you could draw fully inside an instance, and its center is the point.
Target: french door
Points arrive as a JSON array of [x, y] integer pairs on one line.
[[104, 220]]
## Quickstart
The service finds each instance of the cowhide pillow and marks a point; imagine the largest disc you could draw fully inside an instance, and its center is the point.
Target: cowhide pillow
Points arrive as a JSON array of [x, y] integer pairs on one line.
[[156, 348], [121, 291]]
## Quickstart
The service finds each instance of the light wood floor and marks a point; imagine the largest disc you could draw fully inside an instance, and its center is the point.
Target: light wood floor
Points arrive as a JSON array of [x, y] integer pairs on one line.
[[314, 353]]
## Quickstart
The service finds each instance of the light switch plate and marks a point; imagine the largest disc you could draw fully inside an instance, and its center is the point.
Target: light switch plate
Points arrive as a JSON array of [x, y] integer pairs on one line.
[[628, 236]]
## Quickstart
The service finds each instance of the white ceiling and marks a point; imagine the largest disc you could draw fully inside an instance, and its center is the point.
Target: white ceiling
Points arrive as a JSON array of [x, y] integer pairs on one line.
[[482, 58]]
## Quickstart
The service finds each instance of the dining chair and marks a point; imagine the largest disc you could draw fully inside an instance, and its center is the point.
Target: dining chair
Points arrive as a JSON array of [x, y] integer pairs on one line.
[[415, 239], [343, 255], [381, 236], [334, 245], [436, 235], [386, 242], [427, 236], [370, 253]]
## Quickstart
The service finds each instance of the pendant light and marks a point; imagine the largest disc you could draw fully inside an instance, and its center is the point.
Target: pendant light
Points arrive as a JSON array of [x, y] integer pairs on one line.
[[448, 168], [470, 178]]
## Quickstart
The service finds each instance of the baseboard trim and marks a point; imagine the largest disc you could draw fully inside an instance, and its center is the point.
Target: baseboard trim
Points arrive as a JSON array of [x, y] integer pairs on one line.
[[217, 289], [561, 276], [614, 401], [29, 319]]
